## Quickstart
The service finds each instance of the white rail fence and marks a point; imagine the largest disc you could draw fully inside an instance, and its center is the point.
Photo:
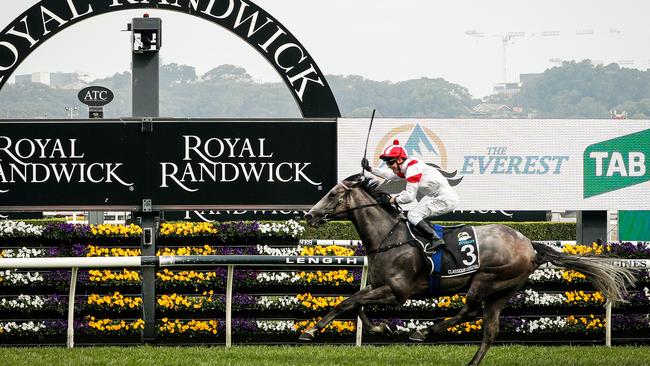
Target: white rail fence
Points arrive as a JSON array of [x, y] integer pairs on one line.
[[231, 261]]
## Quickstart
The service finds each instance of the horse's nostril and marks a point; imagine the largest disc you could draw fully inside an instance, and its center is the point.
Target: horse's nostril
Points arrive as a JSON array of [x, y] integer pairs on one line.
[[308, 216]]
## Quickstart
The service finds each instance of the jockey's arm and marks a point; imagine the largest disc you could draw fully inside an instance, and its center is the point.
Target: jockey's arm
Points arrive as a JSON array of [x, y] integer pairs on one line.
[[385, 173], [409, 194]]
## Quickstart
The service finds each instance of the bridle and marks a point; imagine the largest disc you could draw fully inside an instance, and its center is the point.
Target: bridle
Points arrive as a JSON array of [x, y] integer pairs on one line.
[[333, 214]]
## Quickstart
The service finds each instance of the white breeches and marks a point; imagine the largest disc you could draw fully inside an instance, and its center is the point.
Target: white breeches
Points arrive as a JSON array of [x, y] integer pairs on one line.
[[432, 206]]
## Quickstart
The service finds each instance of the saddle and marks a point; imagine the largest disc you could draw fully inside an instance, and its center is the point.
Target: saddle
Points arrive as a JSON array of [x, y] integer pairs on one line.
[[457, 257], [425, 243]]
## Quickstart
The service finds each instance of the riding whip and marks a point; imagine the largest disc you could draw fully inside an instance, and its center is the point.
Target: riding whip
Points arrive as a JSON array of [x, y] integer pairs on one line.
[[363, 171]]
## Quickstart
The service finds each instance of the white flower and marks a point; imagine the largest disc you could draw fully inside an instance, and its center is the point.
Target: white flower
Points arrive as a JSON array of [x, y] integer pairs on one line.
[[267, 250], [23, 302], [276, 325], [20, 278], [23, 253], [288, 228], [9, 228], [25, 327], [411, 325]]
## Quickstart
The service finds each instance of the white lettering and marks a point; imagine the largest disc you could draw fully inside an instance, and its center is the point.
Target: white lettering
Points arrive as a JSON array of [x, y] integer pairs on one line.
[[13, 50], [75, 13], [166, 175], [51, 17], [616, 165], [24, 34], [275, 36], [599, 156], [208, 10], [283, 48], [251, 29], [305, 79], [636, 161]]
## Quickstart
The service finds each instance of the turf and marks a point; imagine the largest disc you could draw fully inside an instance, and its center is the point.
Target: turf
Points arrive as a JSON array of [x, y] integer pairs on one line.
[[326, 355]]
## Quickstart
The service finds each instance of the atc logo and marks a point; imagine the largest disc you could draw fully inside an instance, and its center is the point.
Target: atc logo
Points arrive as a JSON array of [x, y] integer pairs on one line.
[[420, 143]]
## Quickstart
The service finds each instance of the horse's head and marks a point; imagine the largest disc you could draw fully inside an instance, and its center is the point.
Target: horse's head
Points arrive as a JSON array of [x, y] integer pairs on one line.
[[336, 203]]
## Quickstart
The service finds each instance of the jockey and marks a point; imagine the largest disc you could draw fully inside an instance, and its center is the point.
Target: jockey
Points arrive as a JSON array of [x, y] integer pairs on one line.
[[438, 196]]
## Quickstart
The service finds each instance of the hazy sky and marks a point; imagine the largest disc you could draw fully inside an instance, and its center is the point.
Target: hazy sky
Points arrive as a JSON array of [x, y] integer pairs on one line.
[[378, 39]]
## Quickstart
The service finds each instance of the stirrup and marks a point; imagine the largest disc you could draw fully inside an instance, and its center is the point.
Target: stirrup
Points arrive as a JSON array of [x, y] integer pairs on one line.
[[431, 248]]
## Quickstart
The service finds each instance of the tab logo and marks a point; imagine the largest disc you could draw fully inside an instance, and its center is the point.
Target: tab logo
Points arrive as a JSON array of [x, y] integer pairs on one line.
[[615, 164]]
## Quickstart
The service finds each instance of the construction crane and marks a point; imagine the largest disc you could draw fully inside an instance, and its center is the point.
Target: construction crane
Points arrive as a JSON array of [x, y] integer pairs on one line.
[[509, 38]]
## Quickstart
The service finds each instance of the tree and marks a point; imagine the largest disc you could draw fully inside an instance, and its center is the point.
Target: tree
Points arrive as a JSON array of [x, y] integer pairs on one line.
[[173, 74], [227, 72]]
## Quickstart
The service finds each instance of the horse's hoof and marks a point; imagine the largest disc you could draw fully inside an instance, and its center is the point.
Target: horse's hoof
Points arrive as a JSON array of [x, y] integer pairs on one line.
[[386, 329], [306, 337], [417, 336]]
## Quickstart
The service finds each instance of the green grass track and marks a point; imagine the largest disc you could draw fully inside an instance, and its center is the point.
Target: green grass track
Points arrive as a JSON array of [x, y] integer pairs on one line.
[[326, 355]]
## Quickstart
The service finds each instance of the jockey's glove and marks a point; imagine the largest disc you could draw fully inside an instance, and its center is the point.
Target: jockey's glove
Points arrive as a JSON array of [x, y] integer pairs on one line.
[[365, 164]]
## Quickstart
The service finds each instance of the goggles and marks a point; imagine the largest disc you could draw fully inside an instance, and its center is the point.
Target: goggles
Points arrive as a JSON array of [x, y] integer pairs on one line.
[[390, 161]]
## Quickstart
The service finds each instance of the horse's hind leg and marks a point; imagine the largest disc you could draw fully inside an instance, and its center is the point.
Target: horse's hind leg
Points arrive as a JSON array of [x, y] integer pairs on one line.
[[366, 296], [468, 312], [491, 311]]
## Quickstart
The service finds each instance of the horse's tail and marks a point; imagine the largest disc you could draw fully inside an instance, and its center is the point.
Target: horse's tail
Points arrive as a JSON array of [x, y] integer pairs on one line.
[[610, 279]]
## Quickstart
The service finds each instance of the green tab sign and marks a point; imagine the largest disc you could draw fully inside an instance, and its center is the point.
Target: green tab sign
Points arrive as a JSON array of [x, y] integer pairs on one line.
[[616, 163]]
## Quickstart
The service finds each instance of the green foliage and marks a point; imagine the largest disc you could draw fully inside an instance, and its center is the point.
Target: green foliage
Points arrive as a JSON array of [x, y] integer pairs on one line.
[[344, 230], [582, 90], [229, 91]]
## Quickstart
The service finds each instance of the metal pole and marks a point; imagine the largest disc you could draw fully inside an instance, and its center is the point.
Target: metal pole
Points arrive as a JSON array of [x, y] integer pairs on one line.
[[231, 271], [71, 297], [608, 323], [364, 279]]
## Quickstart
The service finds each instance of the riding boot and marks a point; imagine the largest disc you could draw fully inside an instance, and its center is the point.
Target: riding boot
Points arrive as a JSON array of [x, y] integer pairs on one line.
[[435, 241]]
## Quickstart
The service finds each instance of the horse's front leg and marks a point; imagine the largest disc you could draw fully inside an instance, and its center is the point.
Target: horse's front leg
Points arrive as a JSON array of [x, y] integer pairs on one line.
[[366, 296], [380, 328]]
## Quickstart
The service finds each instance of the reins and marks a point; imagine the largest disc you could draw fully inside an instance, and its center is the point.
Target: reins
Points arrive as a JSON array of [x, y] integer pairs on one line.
[[379, 249]]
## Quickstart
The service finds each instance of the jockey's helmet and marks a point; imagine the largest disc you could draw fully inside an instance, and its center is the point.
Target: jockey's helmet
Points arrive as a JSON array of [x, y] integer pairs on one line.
[[394, 151]]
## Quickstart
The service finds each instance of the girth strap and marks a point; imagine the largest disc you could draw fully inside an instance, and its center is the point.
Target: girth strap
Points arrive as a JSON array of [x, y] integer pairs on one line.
[[389, 247]]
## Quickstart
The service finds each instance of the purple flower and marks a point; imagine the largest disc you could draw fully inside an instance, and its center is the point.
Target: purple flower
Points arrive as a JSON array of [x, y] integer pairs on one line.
[[63, 231]]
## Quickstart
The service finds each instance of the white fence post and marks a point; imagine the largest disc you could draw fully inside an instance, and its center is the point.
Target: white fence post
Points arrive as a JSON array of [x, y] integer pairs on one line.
[[608, 323], [364, 279], [229, 280], [71, 298]]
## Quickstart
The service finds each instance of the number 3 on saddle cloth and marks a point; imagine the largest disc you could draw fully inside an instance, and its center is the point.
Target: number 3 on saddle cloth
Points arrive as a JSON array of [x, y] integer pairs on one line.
[[459, 256]]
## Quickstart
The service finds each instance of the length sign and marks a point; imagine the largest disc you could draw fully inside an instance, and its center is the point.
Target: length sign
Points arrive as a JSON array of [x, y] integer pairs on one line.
[[177, 164]]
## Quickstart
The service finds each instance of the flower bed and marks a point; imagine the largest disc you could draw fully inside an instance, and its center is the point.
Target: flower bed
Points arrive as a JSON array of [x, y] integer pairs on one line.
[[269, 305]]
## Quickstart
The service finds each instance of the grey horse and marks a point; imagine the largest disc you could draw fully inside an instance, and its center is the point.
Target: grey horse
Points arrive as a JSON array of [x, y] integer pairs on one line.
[[507, 258]]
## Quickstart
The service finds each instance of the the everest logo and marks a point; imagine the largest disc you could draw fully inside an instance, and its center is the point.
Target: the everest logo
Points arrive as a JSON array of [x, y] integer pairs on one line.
[[615, 164]]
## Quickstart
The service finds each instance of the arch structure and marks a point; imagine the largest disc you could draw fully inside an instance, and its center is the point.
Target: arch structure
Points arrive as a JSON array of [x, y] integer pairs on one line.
[[242, 17]]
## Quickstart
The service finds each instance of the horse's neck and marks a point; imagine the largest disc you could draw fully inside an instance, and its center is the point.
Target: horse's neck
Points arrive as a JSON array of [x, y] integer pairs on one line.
[[373, 225]]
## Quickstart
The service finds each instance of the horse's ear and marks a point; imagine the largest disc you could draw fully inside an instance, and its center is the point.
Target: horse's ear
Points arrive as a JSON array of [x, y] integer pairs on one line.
[[355, 180]]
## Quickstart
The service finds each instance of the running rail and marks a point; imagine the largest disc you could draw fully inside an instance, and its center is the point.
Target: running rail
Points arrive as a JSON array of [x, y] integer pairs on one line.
[[231, 261]]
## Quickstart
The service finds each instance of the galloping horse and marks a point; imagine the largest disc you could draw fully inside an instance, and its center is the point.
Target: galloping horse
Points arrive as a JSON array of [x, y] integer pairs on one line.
[[506, 257]]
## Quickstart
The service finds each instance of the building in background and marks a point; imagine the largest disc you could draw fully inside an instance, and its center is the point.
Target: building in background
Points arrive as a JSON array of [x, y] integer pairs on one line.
[[60, 80]]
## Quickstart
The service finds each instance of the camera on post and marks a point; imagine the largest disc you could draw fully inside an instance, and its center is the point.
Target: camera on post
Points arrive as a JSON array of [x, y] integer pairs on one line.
[[146, 34]]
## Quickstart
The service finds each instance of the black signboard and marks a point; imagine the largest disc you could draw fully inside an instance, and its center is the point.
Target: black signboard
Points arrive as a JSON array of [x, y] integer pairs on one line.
[[462, 216], [177, 164]]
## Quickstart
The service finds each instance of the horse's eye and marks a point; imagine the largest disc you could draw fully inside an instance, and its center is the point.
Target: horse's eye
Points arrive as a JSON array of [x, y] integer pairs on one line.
[[332, 194]]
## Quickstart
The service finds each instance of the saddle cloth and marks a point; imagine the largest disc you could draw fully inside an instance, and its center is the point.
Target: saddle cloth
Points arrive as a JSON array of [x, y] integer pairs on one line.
[[460, 255]]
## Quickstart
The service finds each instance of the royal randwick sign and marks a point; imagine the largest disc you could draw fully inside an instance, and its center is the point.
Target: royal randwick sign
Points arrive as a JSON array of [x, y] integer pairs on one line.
[[188, 164], [249, 22]]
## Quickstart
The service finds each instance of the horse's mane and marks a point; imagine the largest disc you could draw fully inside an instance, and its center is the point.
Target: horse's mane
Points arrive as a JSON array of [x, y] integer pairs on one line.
[[371, 186]]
